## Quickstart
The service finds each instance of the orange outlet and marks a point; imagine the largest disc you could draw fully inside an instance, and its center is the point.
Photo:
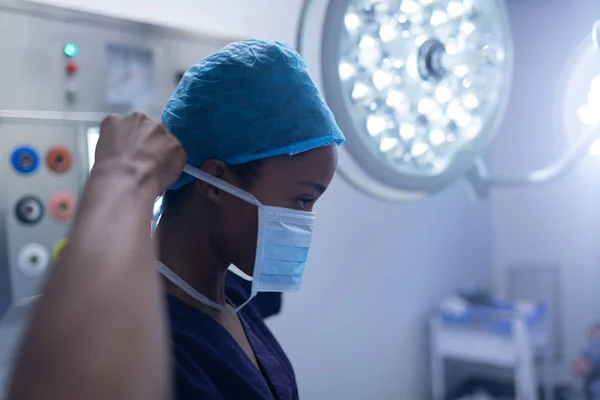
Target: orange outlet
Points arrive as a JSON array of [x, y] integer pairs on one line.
[[62, 206], [59, 159]]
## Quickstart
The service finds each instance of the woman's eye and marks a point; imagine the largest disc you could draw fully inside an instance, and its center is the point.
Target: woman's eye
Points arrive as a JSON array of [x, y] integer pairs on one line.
[[304, 203]]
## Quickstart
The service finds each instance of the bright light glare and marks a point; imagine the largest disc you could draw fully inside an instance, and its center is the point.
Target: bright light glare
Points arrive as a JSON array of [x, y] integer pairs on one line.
[[360, 91], [387, 33], [454, 110], [382, 79], [467, 5], [451, 48], [394, 98], [461, 70], [455, 9], [397, 63], [588, 114], [595, 148], [367, 42], [470, 101], [443, 94], [346, 71], [388, 144], [93, 135], [376, 124], [594, 93], [467, 27], [408, 131], [593, 98], [419, 108], [419, 149], [370, 54], [437, 137], [426, 105], [595, 84], [352, 22], [410, 7], [473, 128], [438, 17]]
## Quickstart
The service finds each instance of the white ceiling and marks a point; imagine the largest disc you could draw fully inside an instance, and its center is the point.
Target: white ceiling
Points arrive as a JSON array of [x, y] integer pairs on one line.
[[263, 19]]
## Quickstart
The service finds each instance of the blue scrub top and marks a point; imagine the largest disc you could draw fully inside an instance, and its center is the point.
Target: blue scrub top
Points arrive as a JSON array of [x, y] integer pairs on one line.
[[209, 363]]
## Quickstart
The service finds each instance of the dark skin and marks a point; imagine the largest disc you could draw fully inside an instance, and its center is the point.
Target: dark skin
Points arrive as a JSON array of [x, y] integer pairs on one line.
[[102, 309], [212, 229]]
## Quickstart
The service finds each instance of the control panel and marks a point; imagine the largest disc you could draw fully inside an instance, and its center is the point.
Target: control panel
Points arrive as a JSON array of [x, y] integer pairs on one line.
[[45, 166], [62, 72]]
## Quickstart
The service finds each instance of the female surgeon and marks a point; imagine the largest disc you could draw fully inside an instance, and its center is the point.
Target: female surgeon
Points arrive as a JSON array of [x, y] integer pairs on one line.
[[262, 148]]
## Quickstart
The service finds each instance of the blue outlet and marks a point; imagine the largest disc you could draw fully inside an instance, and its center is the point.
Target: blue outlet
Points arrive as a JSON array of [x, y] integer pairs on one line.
[[25, 160]]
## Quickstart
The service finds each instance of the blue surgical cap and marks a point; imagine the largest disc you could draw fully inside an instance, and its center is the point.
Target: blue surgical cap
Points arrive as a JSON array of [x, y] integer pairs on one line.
[[249, 101]]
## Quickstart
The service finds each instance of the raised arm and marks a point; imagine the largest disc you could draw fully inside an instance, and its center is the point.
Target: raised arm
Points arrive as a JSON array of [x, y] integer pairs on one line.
[[99, 330]]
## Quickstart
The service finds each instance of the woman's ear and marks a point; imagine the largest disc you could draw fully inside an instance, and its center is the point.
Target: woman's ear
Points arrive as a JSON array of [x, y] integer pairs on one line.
[[218, 169]]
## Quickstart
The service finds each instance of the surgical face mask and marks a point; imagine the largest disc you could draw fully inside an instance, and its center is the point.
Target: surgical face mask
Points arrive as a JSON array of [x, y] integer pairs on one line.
[[282, 244]]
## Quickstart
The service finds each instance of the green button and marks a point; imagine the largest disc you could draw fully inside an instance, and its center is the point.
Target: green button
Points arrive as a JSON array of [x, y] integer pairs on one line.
[[70, 49]]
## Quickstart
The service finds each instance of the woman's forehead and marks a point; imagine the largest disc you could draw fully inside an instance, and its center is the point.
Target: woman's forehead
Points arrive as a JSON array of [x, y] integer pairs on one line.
[[317, 165]]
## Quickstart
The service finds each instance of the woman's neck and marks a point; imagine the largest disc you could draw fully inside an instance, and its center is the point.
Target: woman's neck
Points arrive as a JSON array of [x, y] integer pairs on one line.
[[191, 256]]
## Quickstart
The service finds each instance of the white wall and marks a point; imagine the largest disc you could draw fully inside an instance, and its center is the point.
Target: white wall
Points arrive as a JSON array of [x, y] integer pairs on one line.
[[558, 222], [357, 329], [263, 19]]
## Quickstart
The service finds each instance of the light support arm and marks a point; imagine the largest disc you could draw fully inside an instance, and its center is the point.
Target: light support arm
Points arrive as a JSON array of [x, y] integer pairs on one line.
[[482, 181], [596, 34]]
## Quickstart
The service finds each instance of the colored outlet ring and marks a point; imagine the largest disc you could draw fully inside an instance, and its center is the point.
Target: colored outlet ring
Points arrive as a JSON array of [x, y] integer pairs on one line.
[[57, 249], [59, 159], [62, 206], [29, 210], [25, 160], [33, 259]]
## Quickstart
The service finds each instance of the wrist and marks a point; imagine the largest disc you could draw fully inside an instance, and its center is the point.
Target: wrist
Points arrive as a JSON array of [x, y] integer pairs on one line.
[[111, 176]]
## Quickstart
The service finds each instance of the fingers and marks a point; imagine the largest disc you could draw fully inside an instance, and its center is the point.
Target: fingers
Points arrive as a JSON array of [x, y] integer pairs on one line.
[[178, 157], [112, 119], [135, 138], [107, 124]]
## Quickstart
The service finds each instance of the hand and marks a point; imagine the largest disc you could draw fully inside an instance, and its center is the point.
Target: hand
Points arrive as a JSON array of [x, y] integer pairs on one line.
[[136, 146]]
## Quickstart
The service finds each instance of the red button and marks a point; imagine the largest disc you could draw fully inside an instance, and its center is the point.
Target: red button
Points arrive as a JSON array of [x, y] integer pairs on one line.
[[72, 67]]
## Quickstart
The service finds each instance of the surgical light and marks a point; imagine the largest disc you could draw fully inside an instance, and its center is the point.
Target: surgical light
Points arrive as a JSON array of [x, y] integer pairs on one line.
[[595, 148], [402, 80], [420, 87], [580, 94]]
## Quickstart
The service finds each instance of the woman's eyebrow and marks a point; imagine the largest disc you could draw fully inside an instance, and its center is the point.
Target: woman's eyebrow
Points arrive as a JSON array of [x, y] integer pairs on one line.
[[317, 186]]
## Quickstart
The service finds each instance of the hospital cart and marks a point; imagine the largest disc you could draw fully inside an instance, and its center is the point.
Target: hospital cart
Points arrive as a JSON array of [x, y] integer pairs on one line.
[[503, 339]]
